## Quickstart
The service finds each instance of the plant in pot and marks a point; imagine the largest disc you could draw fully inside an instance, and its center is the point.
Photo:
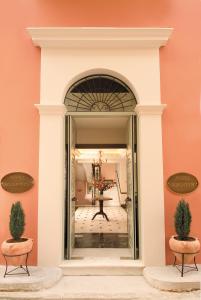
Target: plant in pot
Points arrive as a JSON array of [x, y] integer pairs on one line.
[[16, 247], [182, 242]]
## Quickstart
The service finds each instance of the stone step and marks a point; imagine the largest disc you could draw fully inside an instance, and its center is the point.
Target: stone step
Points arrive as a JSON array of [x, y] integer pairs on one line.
[[102, 266]]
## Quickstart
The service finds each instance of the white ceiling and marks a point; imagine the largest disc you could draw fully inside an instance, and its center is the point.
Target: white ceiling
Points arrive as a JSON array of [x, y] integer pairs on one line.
[[108, 155], [101, 122]]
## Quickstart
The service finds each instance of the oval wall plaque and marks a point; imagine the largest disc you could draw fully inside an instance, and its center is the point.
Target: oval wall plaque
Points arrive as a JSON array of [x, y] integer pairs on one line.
[[182, 183], [17, 182]]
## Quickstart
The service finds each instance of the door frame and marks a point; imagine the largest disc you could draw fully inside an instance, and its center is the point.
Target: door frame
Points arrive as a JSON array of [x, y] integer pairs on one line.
[[67, 201], [133, 203], [52, 173]]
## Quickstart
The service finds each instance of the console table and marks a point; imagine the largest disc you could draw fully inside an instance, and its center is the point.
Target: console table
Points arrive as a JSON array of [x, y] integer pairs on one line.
[[101, 200]]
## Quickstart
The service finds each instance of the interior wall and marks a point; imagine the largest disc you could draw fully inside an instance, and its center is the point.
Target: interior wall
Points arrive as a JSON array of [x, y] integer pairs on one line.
[[80, 192], [100, 136], [81, 181], [108, 170], [122, 172]]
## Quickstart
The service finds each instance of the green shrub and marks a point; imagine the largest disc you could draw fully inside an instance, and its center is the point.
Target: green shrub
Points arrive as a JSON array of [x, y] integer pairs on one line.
[[182, 220], [17, 221]]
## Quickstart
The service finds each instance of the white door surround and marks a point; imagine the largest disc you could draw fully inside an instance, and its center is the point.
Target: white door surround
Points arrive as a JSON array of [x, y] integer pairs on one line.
[[132, 55]]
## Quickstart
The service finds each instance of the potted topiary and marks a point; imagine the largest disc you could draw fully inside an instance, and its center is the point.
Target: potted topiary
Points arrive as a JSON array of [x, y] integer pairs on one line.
[[17, 247], [182, 242]]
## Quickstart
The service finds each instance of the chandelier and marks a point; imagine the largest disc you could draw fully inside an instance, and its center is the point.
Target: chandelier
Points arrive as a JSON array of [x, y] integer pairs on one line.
[[100, 161]]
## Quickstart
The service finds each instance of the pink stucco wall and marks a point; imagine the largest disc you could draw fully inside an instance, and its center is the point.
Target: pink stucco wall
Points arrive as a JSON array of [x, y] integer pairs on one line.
[[20, 83]]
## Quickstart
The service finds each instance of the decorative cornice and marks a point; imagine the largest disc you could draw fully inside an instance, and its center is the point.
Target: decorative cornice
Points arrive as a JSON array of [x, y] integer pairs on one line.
[[51, 109], [155, 109], [99, 37]]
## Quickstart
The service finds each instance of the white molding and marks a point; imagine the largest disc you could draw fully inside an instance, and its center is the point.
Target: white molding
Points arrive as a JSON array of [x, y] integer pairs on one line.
[[154, 109], [51, 109], [99, 37]]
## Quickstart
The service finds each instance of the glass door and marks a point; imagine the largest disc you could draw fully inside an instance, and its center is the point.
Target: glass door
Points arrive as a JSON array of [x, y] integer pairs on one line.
[[132, 187], [71, 199]]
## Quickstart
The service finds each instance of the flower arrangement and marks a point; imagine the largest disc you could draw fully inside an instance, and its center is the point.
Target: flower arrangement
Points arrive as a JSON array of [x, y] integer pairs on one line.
[[102, 185]]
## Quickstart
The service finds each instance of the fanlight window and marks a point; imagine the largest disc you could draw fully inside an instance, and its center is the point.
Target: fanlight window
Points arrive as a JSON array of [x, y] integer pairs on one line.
[[100, 93]]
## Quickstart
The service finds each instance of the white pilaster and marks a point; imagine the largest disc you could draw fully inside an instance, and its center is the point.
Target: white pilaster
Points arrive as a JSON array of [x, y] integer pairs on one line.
[[51, 184], [151, 201]]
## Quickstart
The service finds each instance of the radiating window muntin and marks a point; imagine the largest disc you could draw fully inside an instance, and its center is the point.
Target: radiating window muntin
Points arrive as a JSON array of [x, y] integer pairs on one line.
[[100, 93]]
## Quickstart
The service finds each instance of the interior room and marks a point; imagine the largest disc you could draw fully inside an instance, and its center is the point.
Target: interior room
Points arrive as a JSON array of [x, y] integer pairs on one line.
[[109, 167]]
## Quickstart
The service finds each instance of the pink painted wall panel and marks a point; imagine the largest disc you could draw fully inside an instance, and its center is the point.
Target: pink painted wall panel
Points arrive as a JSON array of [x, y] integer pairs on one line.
[[20, 83], [81, 189], [108, 171]]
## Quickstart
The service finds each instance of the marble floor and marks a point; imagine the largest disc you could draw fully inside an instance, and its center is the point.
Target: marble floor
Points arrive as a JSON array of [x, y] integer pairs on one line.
[[101, 240], [99, 253], [117, 220], [99, 233]]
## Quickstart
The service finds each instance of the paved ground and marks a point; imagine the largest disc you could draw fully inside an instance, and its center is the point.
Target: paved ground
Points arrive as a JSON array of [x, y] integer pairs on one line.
[[101, 287]]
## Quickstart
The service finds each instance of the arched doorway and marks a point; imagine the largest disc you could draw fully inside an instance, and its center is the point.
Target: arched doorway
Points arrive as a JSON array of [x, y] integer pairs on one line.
[[133, 53], [88, 229]]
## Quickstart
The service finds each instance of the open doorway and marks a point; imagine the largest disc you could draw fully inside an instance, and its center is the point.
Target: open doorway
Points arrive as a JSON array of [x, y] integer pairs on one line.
[[101, 221], [101, 187]]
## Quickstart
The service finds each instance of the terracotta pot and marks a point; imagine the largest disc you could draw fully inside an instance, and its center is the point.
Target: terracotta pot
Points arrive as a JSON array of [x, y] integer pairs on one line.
[[17, 249], [191, 248]]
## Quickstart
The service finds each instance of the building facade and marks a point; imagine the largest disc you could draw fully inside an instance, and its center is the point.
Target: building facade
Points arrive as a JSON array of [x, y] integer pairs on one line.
[[155, 49]]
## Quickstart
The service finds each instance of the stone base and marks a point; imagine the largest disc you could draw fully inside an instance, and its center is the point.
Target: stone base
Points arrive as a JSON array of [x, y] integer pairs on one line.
[[40, 278], [168, 278]]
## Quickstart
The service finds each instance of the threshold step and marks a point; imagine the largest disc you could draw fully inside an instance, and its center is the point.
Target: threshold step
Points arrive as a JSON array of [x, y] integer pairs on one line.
[[102, 266]]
